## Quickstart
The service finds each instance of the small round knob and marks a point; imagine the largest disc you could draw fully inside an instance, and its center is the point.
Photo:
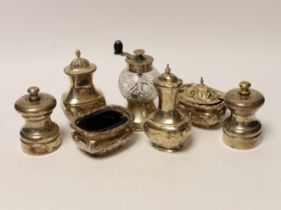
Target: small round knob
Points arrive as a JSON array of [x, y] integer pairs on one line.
[[139, 52], [202, 81], [33, 93], [168, 70], [245, 88], [118, 47], [78, 53], [139, 55]]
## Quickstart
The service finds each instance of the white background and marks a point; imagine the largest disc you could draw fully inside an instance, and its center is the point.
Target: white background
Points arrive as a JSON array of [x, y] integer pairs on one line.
[[223, 41]]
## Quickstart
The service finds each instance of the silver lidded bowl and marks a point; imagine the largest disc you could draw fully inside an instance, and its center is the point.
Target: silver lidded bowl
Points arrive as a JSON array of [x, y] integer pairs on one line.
[[203, 104]]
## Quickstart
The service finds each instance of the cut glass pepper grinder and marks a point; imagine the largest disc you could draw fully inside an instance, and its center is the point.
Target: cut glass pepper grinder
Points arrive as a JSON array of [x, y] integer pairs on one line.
[[136, 84]]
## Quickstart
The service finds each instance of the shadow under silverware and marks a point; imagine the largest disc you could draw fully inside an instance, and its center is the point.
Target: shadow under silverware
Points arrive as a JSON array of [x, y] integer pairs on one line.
[[130, 143]]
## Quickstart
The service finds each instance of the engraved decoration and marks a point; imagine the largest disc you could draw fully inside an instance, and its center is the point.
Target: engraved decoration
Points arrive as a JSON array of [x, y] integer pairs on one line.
[[138, 87], [200, 94]]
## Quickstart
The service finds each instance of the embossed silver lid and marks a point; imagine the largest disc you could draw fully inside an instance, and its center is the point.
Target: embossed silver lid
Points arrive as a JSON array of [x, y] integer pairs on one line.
[[200, 94]]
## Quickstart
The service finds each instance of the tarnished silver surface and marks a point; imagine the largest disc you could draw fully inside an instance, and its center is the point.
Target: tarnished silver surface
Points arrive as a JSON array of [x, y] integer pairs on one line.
[[82, 97], [241, 129], [203, 104], [167, 128], [104, 142], [39, 135]]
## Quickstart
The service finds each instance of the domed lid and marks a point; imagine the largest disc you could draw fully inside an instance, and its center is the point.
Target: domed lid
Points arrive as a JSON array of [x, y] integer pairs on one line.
[[244, 97], [80, 66], [139, 62], [168, 80], [200, 94], [35, 102]]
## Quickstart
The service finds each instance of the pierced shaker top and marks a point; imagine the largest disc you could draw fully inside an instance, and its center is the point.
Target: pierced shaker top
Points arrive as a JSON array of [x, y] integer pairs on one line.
[[80, 66]]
